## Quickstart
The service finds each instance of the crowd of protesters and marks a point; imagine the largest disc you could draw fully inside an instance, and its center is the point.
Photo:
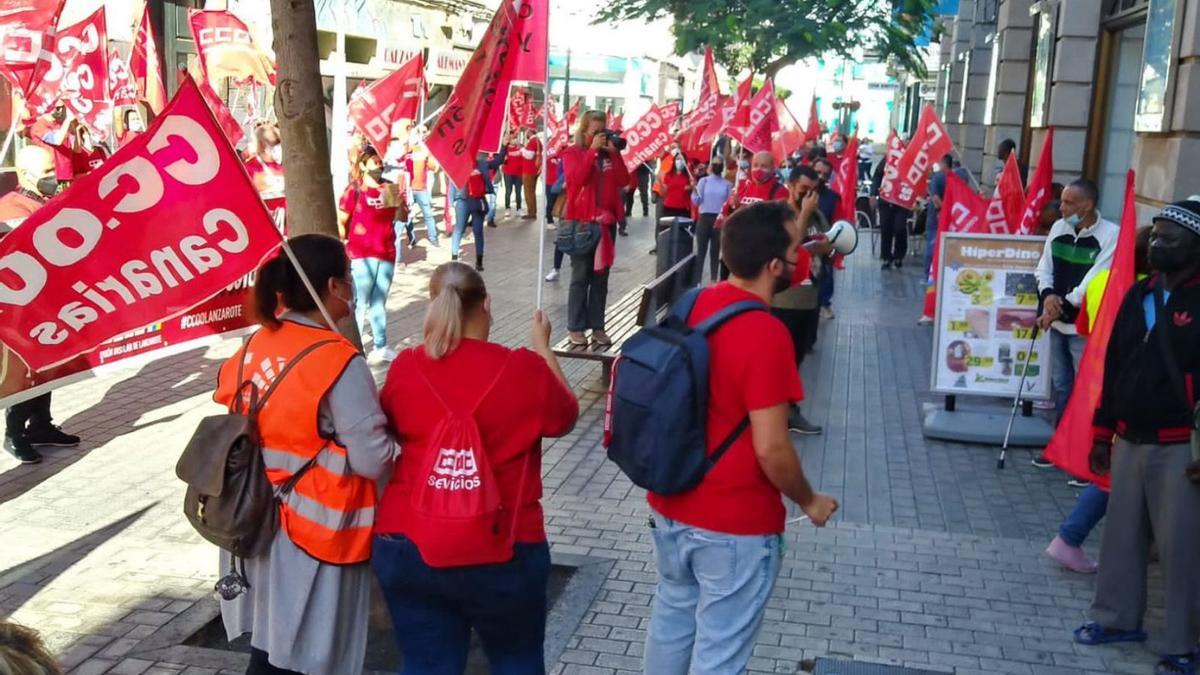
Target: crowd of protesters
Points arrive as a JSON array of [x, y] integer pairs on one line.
[[471, 414]]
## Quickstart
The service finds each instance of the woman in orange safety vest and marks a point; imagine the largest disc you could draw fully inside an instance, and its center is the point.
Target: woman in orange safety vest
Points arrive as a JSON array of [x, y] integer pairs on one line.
[[306, 607]]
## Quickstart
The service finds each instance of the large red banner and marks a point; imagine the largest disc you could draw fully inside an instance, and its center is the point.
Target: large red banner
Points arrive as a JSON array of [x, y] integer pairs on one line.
[[708, 105], [227, 49], [27, 33], [929, 143], [166, 224], [1038, 192], [473, 117], [395, 97], [532, 40], [77, 74], [647, 138], [143, 65], [1073, 438]]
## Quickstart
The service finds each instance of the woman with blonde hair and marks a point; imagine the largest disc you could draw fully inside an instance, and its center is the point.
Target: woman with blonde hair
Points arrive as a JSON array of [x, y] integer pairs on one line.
[[460, 542], [595, 175]]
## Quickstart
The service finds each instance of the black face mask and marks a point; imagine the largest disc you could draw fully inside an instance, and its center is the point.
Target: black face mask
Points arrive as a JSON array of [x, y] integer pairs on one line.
[[1171, 259], [47, 185], [782, 283]]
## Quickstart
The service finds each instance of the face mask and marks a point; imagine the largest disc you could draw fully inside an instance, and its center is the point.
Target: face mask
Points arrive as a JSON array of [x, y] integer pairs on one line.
[[351, 302], [743, 165], [1074, 219], [784, 281], [823, 177], [137, 127], [837, 147], [275, 154], [1169, 259], [376, 175], [760, 175], [47, 185]]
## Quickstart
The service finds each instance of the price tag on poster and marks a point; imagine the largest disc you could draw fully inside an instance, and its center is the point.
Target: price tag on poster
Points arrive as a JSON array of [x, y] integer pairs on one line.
[[986, 312]]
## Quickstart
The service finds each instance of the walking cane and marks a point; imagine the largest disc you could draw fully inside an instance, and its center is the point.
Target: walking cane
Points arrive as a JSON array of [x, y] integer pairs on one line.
[[1017, 399]]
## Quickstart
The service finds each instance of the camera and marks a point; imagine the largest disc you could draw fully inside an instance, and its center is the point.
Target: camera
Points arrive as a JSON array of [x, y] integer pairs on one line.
[[615, 138]]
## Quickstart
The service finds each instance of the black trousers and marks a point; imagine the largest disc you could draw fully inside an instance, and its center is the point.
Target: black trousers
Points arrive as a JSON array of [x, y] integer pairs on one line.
[[708, 238], [802, 326], [587, 297], [893, 231], [643, 188], [30, 415]]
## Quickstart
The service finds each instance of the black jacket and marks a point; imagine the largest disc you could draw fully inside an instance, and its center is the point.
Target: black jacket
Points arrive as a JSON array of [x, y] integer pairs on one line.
[[1140, 401]]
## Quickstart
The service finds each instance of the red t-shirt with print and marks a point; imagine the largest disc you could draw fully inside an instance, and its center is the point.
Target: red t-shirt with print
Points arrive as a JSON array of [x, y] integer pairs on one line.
[[678, 192], [370, 232], [751, 367], [527, 404]]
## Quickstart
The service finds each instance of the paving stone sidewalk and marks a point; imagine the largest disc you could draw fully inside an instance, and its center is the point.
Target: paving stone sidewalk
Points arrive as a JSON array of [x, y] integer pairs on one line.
[[935, 560]]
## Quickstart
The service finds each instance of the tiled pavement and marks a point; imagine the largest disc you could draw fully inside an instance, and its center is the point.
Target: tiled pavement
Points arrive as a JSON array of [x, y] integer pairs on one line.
[[934, 560]]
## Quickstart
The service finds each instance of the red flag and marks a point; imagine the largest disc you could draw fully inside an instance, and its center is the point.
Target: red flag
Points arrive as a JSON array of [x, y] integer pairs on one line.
[[532, 40], [573, 115], [474, 115], [763, 121], [1038, 193], [847, 183], [670, 112], [790, 135], [532, 112], [707, 106], [225, 119], [608, 117], [76, 73], [1011, 194], [120, 85], [1073, 439], [27, 34], [395, 97], [963, 210], [742, 101], [617, 123], [813, 131], [518, 100], [97, 261], [647, 138], [929, 143], [144, 66], [692, 147], [227, 49]]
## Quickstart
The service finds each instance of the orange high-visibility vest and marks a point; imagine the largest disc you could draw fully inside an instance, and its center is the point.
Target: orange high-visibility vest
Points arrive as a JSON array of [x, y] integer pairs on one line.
[[330, 512]]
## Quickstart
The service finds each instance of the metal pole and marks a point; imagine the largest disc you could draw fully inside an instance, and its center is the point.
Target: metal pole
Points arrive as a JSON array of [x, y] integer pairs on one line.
[[541, 266], [1017, 399], [287, 249], [566, 82]]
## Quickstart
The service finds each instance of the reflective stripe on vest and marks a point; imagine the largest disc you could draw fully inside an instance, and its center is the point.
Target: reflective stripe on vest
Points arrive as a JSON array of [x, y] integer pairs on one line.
[[330, 510]]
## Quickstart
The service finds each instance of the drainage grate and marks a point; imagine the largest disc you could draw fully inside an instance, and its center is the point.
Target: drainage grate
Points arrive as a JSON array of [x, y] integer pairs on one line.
[[832, 667]]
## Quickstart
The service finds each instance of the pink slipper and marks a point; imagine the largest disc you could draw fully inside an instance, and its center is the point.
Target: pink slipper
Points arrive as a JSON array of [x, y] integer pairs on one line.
[[1071, 557]]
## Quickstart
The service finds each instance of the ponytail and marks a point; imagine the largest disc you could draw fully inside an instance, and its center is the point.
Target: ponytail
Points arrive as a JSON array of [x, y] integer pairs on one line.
[[456, 290], [278, 286]]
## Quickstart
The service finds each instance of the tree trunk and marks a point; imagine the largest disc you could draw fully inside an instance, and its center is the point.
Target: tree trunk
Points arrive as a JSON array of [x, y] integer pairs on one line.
[[300, 107]]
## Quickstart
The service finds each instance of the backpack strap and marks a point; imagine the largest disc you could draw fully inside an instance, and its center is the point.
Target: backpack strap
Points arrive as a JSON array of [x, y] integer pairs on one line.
[[286, 369], [236, 405], [715, 321], [685, 304]]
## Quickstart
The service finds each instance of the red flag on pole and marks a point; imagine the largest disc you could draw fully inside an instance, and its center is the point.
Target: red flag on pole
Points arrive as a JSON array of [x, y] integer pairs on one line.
[[27, 34], [963, 210], [790, 136], [225, 119], [813, 132], [144, 66], [389, 99], [76, 73], [647, 138], [1073, 439], [227, 49], [692, 147], [168, 222], [928, 144], [847, 183], [763, 121], [532, 40], [1011, 194], [742, 101], [120, 86], [572, 116], [670, 112], [708, 105], [474, 115], [618, 123], [1038, 193]]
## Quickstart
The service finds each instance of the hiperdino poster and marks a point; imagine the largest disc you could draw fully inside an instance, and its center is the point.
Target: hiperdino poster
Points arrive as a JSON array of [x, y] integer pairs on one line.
[[987, 309]]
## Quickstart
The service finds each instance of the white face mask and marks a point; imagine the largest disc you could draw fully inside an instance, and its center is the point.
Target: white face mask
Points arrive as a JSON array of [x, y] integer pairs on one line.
[[275, 154]]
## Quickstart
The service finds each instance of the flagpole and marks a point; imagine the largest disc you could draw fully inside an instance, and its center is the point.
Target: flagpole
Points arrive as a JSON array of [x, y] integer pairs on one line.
[[287, 249], [541, 266]]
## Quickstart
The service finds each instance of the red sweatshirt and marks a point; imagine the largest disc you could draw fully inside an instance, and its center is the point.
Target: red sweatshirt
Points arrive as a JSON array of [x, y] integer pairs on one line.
[[593, 185], [749, 192]]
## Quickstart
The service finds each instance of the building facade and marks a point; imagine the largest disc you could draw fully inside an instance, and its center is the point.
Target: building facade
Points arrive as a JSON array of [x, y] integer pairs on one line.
[[1116, 79]]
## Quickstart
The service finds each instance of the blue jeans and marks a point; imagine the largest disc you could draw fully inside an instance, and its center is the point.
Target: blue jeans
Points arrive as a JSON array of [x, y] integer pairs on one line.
[[475, 219], [491, 200], [434, 609], [1067, 350], [1088, 512], [423, 200], [372, 281], [710, 599], [931, 225], [825, 284]]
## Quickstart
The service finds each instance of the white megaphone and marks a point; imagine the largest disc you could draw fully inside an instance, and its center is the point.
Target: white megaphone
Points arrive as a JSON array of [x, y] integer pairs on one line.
[[843, 236]]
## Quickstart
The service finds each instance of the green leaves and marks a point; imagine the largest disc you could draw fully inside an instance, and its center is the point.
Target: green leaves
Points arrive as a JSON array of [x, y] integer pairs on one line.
[[769, 34]]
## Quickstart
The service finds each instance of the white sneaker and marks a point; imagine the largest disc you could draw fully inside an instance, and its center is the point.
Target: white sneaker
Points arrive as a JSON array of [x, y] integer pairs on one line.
[[826, 313], [924, 320], [553, 276], [381, 355]]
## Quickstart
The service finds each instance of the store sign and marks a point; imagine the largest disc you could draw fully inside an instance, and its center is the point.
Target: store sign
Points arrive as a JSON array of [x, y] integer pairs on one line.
[[394, 55], [986, 313], [448, 63]]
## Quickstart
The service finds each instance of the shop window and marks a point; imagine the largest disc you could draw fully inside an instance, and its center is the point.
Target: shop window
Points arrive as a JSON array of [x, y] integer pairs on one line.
[[418, 27], [1043, 56], [1158, 68], [989, 104]]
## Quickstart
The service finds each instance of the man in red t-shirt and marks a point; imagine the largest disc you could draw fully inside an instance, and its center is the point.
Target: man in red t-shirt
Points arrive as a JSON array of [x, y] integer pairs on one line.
[[532, 154], [513, 170], [718, 546]]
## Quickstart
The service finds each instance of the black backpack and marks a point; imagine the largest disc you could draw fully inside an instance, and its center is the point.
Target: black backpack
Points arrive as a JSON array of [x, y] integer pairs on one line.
[[229, 499]]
